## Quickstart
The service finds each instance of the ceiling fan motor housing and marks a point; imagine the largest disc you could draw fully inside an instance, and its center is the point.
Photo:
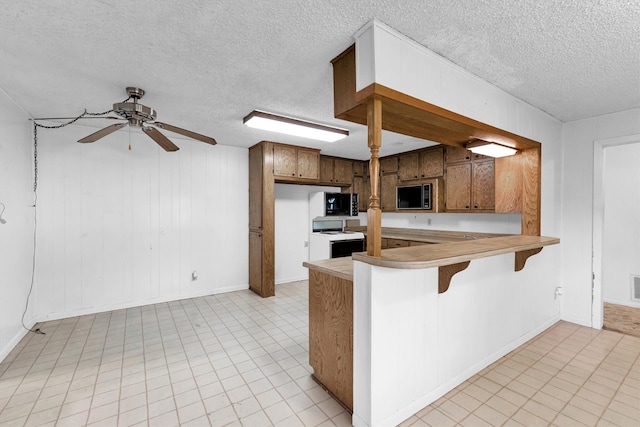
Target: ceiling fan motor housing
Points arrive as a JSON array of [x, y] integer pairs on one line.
[[133, 110]]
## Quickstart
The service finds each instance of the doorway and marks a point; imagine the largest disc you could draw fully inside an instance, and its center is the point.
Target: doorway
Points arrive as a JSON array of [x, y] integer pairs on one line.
[[616, 233]]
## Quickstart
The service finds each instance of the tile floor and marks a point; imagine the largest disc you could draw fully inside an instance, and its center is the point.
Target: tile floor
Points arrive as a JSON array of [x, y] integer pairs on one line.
[[237, 359]]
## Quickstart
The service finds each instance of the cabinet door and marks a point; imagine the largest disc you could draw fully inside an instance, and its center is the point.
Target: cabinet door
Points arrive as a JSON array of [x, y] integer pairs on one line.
[[458, 187], [308, 164], [432, 162], [285, 160], [326, 169], [358, 188], [483, 185], [255, 187], [255, 262], [343, 171], [362, 187], [389, 164], [388, 185], [409, 167], [456, 154], [358, 168]]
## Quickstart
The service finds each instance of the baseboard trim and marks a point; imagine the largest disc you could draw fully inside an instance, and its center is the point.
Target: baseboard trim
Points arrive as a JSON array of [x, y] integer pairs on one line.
[[131, 304], [4, 352]]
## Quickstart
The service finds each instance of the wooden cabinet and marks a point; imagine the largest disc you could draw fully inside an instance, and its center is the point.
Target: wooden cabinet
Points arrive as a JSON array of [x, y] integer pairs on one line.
[[362, 184], [271, 162], [295, 164], [456, 154], [421, 164], [359, 168], [483, 185], [336, 171], [331, 333], [389, 165], [388, 183], [387, 243], [458, 187], [261, 220], [470, 186]]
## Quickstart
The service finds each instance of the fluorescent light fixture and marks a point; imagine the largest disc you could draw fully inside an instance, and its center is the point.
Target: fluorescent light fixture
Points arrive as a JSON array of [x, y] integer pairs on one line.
[[490, 149], [296, 127]]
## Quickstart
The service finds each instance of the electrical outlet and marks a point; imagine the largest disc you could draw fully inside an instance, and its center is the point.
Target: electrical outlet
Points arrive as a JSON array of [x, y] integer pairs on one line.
[[306, 243], [428, 221]]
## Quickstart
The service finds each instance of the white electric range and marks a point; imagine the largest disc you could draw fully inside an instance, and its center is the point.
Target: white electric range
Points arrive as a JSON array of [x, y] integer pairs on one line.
[[328, 240]]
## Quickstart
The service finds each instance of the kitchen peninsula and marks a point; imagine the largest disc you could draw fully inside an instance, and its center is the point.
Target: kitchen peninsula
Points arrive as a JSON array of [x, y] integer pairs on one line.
[[427, 317], [331, 290]]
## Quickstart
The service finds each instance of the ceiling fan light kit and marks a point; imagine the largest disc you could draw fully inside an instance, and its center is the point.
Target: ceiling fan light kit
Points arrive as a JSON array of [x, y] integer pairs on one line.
[[140, 115], [291, 126]]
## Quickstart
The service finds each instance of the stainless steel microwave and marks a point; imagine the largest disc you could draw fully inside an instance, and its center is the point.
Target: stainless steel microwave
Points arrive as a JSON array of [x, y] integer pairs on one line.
[[414, 196]]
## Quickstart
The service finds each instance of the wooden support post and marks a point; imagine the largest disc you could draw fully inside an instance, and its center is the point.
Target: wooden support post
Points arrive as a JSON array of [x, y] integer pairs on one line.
[[374, 214]]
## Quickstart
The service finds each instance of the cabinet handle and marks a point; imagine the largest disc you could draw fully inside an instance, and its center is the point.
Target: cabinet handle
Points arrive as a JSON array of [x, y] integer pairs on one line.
[[466, 207], [475, 207]]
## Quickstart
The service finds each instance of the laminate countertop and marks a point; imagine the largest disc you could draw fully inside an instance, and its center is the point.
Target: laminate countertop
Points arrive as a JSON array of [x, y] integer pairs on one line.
[[428, 256], [427, 236]]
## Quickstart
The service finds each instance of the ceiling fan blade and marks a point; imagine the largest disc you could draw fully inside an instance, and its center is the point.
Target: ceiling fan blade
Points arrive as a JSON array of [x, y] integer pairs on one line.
[[185, 132], [159, 138], [102, 133]]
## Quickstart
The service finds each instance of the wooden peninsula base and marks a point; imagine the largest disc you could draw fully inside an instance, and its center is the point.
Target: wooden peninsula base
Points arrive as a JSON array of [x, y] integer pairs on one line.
[[331, 334]]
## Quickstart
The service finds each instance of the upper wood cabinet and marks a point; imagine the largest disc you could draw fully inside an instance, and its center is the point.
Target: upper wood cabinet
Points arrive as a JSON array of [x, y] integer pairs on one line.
[[359, 168], [389, 165], [295, 164], [470, 186], [421, 164], [483, 185], [388, 183], [336, 171]]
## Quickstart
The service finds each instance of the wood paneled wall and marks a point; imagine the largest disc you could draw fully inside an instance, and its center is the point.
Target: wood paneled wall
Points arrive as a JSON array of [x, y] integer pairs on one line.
[[122, 228]]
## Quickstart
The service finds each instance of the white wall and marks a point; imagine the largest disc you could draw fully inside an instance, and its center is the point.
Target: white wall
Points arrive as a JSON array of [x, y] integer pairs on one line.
[[621, 231], [120, 228], [481, 223], [16, 236], [412, 345], [292, 230], [577, 204]]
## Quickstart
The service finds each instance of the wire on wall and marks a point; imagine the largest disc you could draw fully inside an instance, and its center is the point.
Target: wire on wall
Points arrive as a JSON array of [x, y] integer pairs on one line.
[[37, 125]]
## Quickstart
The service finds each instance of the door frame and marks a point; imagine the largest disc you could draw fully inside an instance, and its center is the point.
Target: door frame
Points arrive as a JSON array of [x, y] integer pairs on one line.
[[599, 145]]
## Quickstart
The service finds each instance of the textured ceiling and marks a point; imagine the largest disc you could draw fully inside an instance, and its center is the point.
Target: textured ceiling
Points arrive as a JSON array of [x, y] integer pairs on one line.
[[205, 65]]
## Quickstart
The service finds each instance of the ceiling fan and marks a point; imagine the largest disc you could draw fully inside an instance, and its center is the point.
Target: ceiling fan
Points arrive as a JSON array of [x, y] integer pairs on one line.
[[144, 117]]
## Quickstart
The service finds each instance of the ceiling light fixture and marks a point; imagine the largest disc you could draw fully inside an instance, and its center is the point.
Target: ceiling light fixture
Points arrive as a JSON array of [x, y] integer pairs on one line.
[[296, 127], [490, 149]]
